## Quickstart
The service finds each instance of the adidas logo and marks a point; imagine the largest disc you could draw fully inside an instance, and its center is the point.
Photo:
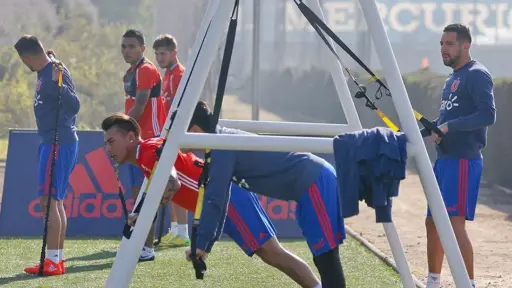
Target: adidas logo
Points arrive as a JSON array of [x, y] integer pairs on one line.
[[93, 190]]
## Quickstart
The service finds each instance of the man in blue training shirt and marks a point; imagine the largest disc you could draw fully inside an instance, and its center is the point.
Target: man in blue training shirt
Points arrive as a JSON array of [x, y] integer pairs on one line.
[[467, 109], [33, 55], [302, 177]]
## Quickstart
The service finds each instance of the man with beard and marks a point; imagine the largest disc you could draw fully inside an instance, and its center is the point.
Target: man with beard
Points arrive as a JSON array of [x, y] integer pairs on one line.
[[144, 103], [467, 109]]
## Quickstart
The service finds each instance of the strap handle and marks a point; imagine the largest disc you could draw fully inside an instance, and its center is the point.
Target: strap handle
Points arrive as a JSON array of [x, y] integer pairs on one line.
[[198, 263], [319, 25]]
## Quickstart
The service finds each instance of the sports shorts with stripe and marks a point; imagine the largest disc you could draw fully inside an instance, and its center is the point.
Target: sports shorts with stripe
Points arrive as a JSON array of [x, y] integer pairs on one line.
[[67, 155], [247, 223], [459, 182], [318, 213]]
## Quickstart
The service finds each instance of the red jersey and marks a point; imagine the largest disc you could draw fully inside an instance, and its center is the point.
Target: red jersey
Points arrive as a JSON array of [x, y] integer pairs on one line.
[[144, 76], [186, 166], [170, 83]]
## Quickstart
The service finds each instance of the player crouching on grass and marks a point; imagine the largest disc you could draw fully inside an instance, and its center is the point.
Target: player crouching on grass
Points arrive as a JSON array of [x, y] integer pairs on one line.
[[247, 223], [302, 177]]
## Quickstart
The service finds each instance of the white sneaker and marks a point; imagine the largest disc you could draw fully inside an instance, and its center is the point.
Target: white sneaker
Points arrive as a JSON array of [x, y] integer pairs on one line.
[[147, 255]]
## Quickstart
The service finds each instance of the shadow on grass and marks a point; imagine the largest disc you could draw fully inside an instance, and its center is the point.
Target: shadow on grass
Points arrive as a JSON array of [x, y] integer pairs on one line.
[[95, 256], [69, 270]]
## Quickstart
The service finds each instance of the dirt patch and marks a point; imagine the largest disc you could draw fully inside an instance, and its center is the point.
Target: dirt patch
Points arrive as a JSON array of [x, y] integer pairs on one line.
[[491, 233]]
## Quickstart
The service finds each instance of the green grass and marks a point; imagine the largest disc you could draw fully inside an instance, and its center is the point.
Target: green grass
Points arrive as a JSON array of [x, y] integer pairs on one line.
[[4, 143], [89, 262]]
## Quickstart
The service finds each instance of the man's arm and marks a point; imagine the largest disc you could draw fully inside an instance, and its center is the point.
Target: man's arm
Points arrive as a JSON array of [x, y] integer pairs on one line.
[[481, 89], [146, 75], [141, 98], [215, 198], [69, 99], [173, 185]]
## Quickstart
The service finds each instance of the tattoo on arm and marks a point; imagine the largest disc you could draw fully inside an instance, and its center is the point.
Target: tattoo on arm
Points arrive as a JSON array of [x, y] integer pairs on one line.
[[141, 99], [173, 185]]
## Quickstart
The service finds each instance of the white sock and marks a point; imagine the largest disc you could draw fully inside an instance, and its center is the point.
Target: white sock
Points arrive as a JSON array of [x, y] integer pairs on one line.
[[61, 255], [174, 228], [319, 285], [150, 250], [53, 254], [472, 283], [434, 278], [183, 230]]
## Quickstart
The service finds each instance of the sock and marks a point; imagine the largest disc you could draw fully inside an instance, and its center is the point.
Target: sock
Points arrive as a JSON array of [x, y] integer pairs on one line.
[[330, 269], [318, 286], [434, 278], [61, 255], [150, 250], [53, 254], [174, 228], [472, 283], [183, 230]]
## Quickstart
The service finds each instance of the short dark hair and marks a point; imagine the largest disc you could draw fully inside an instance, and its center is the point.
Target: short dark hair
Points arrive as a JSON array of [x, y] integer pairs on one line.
[[202, 117], [122, 122], [463, 32], [29, 45], [165, 41], [134, 33]]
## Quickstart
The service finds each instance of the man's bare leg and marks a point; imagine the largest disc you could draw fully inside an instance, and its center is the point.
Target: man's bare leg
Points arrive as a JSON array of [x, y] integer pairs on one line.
[[63, 228], [147, 254], [54, 228], [435, 251], [174, 220], [276, 256]]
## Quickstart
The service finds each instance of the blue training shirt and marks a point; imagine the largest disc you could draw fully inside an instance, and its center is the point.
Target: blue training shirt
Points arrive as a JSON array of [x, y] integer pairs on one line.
[[280, 175], [45, 106], [467, 105]]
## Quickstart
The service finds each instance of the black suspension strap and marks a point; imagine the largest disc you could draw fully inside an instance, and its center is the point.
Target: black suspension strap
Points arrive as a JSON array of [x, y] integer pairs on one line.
[[60, 70], [127, 230], [319, 26], [120, 192], [161, 225], [198, 263]]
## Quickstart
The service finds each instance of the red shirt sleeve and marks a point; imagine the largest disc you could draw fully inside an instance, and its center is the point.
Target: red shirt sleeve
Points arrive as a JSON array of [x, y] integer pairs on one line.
[[175, 82], [147, 76], [146, 157]]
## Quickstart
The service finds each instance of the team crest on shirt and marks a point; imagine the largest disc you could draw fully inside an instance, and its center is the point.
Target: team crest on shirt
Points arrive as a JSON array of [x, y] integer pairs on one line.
[[455, 85]]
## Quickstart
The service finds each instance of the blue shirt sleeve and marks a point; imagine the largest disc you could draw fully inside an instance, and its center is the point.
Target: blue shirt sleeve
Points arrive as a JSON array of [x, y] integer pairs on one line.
[[70, 101], [481, 90], [216, 197]]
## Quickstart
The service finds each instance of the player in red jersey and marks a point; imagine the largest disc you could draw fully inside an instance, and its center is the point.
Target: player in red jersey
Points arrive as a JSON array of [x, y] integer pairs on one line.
[[144, 103], [247, 223], [166, 54]]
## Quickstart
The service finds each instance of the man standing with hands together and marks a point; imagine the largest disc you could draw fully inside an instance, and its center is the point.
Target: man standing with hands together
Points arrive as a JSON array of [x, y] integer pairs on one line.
[[467, 109]]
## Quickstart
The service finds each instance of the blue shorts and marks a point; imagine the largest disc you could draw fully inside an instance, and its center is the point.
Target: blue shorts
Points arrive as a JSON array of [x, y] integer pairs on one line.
[[135, 176], [319, 214], [247, 223], [67, 155], [459, 182]]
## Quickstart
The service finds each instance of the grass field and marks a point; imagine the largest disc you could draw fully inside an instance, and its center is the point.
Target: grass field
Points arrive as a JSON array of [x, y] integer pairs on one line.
[[89, 262]]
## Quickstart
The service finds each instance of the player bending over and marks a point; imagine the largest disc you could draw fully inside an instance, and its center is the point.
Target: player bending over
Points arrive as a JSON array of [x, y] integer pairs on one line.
[[247, 224], [34, 56], [302, 177]]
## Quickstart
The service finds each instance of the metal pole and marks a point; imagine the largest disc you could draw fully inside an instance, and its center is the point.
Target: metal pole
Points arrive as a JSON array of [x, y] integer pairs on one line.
[[255, 60]]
